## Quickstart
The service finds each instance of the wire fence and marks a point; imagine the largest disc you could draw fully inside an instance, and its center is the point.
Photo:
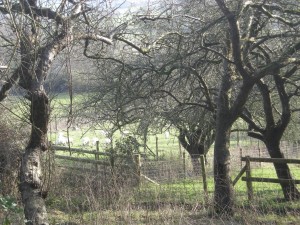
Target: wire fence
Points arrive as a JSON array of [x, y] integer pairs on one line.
[[171, 180]]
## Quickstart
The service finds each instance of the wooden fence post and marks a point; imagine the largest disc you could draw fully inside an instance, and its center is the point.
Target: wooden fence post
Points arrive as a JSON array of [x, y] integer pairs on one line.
[[145, 142], [248, 177], [241, 155], [259, 152], [55, 123], [204, 176], [97, 155], [112, 160], [184, 164], [137, 160], [238, 138], [179, 149], [156, 147]]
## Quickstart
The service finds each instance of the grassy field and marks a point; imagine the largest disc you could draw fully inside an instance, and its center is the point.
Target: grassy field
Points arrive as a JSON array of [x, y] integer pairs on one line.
[[74, 198], [183, 202], [173, 203], [179, 202]]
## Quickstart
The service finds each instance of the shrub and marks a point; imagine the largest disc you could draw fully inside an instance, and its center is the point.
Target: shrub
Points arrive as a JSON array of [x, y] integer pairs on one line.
[[11, 143]]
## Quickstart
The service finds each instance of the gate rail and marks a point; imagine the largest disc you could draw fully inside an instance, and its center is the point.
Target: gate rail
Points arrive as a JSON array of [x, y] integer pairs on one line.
[[249, 179]]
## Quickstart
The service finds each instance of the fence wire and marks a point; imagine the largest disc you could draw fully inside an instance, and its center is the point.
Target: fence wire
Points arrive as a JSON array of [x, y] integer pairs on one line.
[[173, 180]]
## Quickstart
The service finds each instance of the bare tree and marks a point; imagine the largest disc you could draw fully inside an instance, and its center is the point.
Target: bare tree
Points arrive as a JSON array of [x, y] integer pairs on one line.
[[39, 31], [270, 125], [242, 70], [168, 81]]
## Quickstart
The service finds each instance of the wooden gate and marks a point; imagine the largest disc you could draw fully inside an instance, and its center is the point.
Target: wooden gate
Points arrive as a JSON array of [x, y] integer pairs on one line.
[[249, 179]]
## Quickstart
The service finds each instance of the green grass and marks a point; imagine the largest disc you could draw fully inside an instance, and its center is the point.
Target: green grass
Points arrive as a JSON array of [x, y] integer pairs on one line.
[[192, 189], [179, 202], [60, 104], [183, 202]]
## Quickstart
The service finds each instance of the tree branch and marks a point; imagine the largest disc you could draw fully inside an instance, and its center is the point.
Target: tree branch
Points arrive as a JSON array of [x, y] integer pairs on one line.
[[42, 12], [235, 39], [94, 37], [9, 83], [256, 135], [265, 8]]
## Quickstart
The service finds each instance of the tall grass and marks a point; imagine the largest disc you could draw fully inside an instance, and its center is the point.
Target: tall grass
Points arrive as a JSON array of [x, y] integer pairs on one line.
[[86, 198]]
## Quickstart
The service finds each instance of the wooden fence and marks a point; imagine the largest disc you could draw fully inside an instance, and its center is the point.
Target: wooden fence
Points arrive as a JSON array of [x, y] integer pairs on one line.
[[96, 153], [108, 159], [249, 179]]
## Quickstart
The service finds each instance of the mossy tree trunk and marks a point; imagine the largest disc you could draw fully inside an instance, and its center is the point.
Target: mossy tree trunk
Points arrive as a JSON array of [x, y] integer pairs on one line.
[[31, 178]]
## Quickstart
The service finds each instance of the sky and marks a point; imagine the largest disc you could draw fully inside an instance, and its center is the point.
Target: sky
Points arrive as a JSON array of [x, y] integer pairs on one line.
[[132, 3]]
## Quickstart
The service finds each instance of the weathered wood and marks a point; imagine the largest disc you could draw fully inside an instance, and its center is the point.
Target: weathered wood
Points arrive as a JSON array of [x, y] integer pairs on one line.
[[270, 180], [203, 170], [137, 160], [249, 179], [92, 161], [272, 160], [156, 147], [259, 152], [249, 182], [180, 151], [184, 164], [149, 179], [97, 155], [239, 175], [241, 156], [79, 169], [78, 150]]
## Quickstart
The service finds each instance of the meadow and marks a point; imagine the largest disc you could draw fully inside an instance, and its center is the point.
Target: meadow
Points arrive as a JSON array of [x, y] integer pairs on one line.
[[183, 201], [180, 202], [84, 197]]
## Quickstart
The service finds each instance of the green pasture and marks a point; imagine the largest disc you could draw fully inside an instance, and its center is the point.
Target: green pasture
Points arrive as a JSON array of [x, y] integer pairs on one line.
[[60, 105], [60, 108], [178, 202], [191, 190], [184, 202]]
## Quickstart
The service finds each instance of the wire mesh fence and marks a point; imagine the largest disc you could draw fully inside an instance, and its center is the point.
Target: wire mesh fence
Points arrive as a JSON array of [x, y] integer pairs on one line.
[[171, 180]]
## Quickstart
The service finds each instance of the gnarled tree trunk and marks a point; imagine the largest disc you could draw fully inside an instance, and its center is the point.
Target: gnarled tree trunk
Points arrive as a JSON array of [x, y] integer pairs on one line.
[[224, 194], [273, 132], [31, 185], [196, 142], [289, 190], [195, 159]]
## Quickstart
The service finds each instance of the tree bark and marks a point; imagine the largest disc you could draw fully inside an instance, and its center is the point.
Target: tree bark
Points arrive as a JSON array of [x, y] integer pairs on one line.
[[195, 146], [196, 164], [289, 190], [274, 131], [224, 195], [31, 181]]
